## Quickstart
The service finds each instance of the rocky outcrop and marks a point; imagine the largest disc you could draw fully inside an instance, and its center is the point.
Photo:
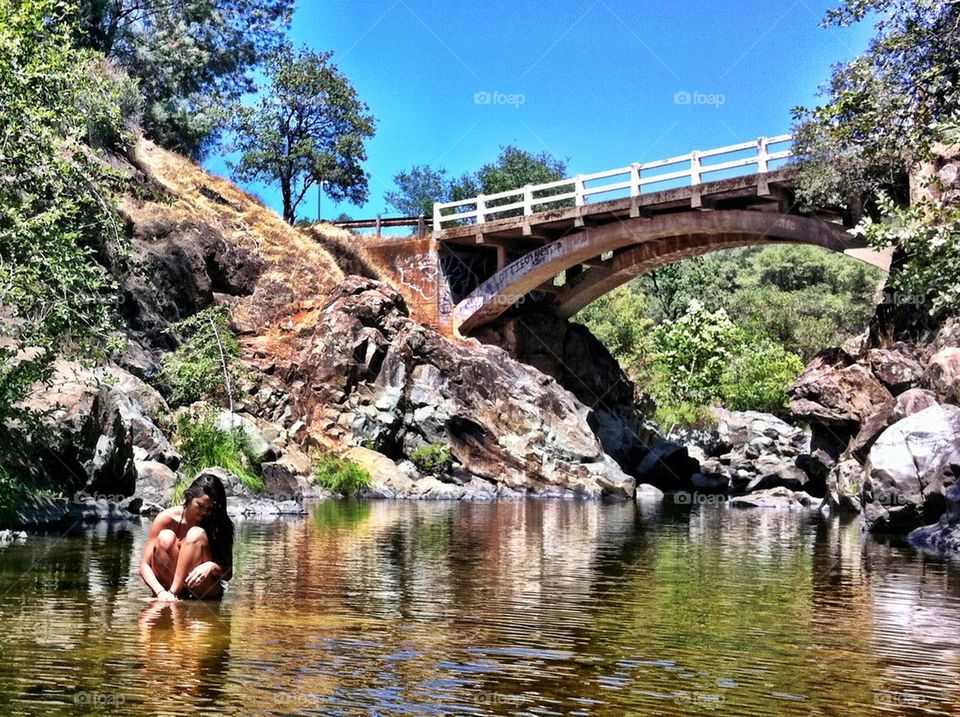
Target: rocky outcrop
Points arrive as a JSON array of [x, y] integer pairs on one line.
[[373, 376], [910, 469], [573, 356], [944, 535]]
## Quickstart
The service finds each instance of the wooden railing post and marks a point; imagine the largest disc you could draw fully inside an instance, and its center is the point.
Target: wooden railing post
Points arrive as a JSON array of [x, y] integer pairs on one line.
[[481, 209], [378, 226], [635, 179], [695, 180], [437, 226], [527, 200], [580, 200]]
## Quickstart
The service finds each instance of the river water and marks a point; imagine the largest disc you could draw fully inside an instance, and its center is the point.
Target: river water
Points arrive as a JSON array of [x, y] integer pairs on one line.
[[529, 607]]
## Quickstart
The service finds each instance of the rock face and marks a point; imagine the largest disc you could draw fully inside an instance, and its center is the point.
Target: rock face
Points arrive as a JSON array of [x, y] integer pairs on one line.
[[835, 392], [374, 376], [580, 363], [910, 469]]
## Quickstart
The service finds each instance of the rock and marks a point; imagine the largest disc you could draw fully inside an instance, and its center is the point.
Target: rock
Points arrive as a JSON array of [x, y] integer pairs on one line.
[[752, 427], [376, 375], [155, 482], [92, 509], [261, 449], [898, 367], [816, 465], [844, 486], [569, 353], [38, 510], [773, 472], [914, 401], [947, 335], [942, 375], [943, 536], [777, 499], [647, 492], [870, 430], [837, 393], [909, 470], [151, 403], [667, 466]]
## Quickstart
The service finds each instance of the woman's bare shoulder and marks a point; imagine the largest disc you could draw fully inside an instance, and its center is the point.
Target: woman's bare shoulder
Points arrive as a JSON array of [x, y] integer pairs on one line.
[[169, 517]]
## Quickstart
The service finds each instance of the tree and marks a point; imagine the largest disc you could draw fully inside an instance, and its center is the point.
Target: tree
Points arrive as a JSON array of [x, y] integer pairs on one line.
[[191, 57], [56, 213], [879, 110], [308, 126], [513, 169], [418, 189]]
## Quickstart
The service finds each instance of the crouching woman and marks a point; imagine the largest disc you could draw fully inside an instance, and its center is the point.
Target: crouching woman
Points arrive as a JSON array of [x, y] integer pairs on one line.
[[189, 552]]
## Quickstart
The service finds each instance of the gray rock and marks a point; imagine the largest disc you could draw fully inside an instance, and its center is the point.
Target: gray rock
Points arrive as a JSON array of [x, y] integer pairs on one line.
[[910, 467], [942, 375], [776, 499], [155, 482], [261, 449], [943, 536], [12, 536], [38, 510]]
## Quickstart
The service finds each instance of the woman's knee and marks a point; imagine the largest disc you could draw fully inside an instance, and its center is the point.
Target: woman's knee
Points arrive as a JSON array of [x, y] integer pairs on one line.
[[196, 536], [166, 540]]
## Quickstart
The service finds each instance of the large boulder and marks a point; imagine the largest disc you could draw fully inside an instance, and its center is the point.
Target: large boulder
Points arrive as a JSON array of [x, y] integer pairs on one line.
[[836, 392], [374, 375], [910, 468], [899, 367]]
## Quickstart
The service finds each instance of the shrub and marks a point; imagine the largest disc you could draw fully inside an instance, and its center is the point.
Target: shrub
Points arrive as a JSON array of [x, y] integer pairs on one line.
[[202, 444], [207, 364], [340, 475], [432, 459], [758, 377]]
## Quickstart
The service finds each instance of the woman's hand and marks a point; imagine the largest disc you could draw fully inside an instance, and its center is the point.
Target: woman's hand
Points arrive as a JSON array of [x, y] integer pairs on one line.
[[200, 573], [166, 596]]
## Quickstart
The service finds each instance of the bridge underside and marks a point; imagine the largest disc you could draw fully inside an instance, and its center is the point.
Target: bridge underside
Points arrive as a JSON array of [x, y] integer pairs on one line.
[[597, 259]]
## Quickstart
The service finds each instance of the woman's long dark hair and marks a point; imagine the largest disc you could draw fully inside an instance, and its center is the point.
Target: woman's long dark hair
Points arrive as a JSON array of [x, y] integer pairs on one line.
[[218, 525]]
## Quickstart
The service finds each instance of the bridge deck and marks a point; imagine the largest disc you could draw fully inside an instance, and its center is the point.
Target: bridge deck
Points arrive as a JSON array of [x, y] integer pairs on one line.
[[746, 192]]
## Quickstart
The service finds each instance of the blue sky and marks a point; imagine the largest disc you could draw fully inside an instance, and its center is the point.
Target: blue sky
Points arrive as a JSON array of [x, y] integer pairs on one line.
[[594, 83]]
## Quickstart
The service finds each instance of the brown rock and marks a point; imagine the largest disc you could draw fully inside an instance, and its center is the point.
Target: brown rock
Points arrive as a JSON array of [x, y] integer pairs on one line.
[[834, 391], [897, 367], [943, 374]]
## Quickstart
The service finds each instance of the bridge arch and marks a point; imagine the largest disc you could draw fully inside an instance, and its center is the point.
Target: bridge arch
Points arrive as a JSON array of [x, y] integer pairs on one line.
[[638, 245]]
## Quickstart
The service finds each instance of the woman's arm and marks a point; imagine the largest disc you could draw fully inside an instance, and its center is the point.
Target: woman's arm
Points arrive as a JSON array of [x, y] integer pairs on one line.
[[146, 569]]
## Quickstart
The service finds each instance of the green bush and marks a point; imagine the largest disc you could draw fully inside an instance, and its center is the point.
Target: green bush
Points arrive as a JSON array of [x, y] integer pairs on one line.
[[758, 377], [202, 444], [340, 475], [432, 459], [207, 364]]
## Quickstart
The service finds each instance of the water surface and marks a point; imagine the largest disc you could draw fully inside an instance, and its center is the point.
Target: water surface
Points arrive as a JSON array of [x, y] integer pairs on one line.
[[531, 607]]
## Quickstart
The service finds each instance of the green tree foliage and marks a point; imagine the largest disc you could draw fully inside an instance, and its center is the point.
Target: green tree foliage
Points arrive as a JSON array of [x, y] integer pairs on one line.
[[421, 186], [620, 321], [879, 109], [206, 365], [191, 57], [418, 189], [930, 237], [308, 126], [757, 377], [56, 211]]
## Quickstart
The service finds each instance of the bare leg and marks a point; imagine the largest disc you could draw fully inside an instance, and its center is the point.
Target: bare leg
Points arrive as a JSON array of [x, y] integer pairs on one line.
[[194, 550], [166, 552]]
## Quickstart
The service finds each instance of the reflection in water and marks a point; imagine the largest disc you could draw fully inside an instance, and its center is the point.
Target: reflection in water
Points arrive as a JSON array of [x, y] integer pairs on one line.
[[459, 608]]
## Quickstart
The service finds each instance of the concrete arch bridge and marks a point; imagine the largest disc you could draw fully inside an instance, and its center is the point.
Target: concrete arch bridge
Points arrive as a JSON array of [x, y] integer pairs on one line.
[[568, 242]]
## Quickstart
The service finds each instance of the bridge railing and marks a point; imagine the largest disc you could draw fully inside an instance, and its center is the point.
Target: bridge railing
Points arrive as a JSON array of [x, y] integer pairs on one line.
[[696, 168]]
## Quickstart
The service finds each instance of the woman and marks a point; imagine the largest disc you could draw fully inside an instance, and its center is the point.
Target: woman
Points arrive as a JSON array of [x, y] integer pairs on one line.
[[189, 551]]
